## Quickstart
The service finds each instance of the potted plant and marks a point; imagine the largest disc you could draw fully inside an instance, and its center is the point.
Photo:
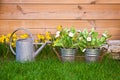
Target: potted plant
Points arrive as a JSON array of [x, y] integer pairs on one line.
[[67, 40], [90, 43]]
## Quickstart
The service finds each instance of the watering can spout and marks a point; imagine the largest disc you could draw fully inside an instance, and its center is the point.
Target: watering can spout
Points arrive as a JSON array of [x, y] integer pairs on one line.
[[40, 49]]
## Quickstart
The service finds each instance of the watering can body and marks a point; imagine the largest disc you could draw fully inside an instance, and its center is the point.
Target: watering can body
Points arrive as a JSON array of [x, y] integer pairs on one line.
[[25, 47], [24, 50]]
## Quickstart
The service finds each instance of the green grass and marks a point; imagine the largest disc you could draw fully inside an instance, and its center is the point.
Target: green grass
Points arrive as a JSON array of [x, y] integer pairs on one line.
[[48, 67], [53, 69]]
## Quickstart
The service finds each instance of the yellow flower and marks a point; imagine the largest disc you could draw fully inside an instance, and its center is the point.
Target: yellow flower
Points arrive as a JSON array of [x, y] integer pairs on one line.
[[1, 40], [36, 41], [47, 33], [7, 40], [39, 36], [13, 44], [14, 39], [3, 36], [8, 35], [14, 35], [42, 37], [23, 36], [48, 36], [59, 28]]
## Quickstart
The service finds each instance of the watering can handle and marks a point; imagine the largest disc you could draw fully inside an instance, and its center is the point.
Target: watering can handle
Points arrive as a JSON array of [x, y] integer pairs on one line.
[[28, 32]]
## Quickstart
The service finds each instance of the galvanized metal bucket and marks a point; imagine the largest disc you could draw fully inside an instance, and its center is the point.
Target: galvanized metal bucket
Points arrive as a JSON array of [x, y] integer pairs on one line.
[[68, 54], [92, 55]]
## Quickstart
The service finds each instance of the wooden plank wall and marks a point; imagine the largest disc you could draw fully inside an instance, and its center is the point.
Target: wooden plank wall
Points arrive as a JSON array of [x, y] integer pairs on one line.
[[40, 16]]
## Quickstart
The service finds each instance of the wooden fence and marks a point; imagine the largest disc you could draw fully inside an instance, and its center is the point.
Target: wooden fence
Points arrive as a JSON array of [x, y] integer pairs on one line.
[[40, 16]]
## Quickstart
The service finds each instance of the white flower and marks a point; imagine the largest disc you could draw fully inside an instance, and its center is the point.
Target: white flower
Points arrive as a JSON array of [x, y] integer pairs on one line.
[[57, 34], [105, 35], [71, 34], [89, 39], [83, 50]]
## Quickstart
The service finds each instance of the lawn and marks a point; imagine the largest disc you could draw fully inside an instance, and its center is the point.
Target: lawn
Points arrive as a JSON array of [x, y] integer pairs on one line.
[[52, 69], [47, 67]]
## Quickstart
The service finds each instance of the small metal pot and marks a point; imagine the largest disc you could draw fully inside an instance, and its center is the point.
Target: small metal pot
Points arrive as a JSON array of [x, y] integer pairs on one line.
[[92, 55], [68, 54]]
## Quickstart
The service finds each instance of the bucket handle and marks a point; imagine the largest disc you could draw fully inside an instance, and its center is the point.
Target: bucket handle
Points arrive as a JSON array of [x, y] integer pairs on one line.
[[27, 31]]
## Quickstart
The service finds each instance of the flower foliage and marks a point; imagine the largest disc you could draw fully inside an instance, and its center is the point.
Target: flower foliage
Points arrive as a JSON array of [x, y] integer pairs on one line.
[[44, 38], [92, 39], [66, 38], [5, 39]]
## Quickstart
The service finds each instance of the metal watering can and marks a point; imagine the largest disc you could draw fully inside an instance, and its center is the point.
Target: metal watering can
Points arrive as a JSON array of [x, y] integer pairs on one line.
[[25, 47]]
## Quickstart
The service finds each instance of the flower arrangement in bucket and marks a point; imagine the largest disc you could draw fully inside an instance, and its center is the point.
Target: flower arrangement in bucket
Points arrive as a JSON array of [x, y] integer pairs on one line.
[[90, 43], [67, 40]]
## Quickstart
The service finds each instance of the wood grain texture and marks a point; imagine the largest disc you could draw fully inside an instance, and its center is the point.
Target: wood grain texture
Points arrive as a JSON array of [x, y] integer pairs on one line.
[[40, 16], [109, 24], [42, 26], [29, 11], [63, 1]]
